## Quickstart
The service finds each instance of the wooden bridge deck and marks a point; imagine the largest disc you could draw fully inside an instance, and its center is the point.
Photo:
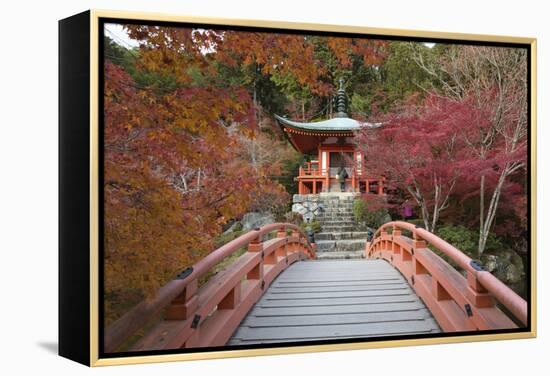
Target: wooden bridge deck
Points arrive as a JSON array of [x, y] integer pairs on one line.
[[316, 300]]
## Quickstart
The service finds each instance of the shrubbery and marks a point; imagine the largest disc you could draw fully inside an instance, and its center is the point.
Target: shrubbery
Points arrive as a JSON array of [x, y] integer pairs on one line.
[[314, 225], [498, 258], [369, 214], [467, 240]]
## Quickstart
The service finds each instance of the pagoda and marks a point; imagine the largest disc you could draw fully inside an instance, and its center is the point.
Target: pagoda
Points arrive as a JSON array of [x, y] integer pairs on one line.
[[329, 145]]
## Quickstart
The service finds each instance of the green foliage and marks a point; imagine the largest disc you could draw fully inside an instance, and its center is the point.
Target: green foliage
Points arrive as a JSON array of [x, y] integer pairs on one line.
[[227, 237], [402, 75], [466, 240], [499, 259], [367, 214], [360, 103], [289, 169], [129, 59], [314, 225], [120, 56]]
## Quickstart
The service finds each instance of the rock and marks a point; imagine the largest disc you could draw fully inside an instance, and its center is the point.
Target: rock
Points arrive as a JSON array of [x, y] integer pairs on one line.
[[512, 274], [490, 263], [299, 208], [255, 219], [235, 225], [309, 206], [506, 265]]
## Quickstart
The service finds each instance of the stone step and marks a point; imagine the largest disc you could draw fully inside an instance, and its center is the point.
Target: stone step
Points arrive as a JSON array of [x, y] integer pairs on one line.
[[340, 255], [339, 228], [336, 216], [335, 222], [341, 235], [323, 215], [340, 245], [340, 224]]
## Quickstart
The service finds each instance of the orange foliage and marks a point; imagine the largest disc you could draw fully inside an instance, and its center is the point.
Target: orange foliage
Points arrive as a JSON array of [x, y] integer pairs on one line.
[[175, 167], [173, 176]]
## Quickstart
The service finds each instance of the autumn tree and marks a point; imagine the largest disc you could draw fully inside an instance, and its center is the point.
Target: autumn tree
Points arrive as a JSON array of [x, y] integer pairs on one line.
[[417, 151], [173, 168], [493, 82]]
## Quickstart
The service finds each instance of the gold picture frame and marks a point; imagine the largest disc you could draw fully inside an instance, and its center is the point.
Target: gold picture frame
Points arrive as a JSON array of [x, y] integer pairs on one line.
[[91, 257]]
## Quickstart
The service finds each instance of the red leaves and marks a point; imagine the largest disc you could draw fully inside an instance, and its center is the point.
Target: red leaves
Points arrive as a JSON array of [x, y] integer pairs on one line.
[[418, 151]]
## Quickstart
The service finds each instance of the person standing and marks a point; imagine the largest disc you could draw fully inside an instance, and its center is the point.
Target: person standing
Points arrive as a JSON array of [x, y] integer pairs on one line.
[[342, 175]]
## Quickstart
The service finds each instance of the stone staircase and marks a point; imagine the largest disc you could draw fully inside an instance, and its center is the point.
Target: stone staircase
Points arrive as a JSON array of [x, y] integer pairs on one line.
[[338, 238]]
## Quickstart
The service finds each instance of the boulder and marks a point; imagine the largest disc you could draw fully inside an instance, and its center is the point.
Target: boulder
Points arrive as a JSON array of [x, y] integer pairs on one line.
[[506, 265], [234, 226], [256, 219], [308, 206]]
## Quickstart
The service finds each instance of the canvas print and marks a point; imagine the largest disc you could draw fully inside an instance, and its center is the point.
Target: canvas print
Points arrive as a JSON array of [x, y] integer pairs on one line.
[[268, 188]]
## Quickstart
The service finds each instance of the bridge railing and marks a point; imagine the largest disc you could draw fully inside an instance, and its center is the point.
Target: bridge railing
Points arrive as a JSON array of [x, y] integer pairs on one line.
[[207, 315], [458, 303]]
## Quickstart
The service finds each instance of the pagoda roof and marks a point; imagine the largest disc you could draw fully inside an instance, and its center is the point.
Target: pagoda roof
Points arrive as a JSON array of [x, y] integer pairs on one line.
[[337, 124], [305, 137]]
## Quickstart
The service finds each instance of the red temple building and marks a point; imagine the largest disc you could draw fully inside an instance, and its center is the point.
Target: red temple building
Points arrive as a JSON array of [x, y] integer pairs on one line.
[[329, 145]]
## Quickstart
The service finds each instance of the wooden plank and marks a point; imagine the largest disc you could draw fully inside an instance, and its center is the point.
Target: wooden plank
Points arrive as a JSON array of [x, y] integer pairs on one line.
[[339, 284], [331, 302], [335, 299], [338, 310], [337, 294], [306, 281], [242, 342], [275, 290], [329, 331], [359, 318]]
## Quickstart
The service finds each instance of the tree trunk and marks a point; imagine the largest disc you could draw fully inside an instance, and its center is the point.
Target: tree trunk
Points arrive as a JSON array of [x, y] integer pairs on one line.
[[480, 249], [253, 139], [491, 212], [426, 216], [423, 206]]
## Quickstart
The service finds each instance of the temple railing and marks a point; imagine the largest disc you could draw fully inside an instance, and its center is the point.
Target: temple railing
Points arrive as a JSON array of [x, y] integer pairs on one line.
[[311, 169], [208, 315], [357, 180], [458, 303]]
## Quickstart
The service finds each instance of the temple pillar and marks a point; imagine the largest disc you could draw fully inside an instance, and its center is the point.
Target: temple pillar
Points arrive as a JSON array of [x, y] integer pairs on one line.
[[328, 172], [380, 187]]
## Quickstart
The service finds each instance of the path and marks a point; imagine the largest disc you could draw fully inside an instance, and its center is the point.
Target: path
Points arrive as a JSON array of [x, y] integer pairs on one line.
[[316, 300]]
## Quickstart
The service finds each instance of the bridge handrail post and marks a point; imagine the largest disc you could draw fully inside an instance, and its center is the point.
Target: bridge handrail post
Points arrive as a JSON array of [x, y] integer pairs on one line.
[[180, 297], [482, 287], [396, 231]]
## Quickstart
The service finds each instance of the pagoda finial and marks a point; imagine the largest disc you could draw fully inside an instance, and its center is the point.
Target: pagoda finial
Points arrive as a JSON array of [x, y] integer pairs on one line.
[[341, 101]]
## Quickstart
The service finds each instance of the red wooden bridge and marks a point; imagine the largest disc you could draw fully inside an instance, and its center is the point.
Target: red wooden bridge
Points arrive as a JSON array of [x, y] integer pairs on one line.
[[277, 292]]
